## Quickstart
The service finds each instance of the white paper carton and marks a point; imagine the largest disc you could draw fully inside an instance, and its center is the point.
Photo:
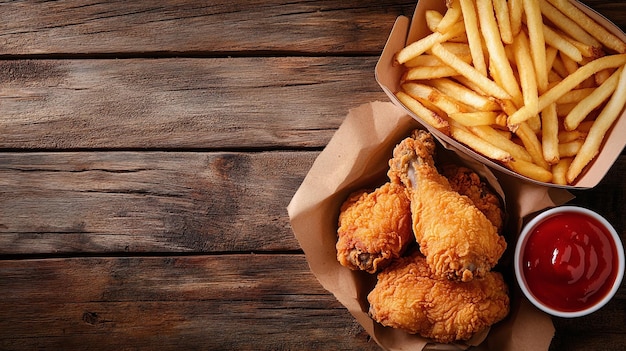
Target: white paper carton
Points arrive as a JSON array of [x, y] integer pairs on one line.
[[388, 74]]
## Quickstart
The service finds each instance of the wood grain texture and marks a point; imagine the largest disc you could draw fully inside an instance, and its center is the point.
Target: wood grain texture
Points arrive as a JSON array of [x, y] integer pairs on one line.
[[148, 151], [180, 103], [136, 28], [234, 302], [243, 302], [214, 28], [101, 202], [112, 202]]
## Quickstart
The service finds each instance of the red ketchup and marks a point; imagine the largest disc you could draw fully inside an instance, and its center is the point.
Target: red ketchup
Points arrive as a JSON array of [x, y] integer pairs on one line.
[[569, 262]]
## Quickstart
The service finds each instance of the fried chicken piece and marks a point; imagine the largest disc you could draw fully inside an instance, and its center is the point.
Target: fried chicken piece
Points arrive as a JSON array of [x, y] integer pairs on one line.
[[409, 297], [466, 182], [458, 240], [374, 228]]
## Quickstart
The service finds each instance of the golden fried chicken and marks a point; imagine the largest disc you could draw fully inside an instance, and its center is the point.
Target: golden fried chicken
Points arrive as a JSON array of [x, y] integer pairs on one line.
[[409, 297], [466, 182], [458, 240], [374, 228]]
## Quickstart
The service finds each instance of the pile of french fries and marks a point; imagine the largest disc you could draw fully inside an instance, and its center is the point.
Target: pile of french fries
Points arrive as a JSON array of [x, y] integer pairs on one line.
[[532, 84]]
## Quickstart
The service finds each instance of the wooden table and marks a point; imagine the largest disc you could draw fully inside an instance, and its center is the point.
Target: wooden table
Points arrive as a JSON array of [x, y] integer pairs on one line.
[[148, 152]]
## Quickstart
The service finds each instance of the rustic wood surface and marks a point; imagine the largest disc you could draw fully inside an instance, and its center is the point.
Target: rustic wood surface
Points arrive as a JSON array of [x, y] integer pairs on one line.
[[148, 150]]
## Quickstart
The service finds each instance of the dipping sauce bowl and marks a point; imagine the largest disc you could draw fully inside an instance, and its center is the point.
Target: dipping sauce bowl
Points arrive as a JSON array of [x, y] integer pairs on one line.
[[569, 261]]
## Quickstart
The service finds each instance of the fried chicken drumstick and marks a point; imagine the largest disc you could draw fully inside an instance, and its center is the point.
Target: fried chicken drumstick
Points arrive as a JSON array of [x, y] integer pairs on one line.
[[374, 228], [458, 240], [466, 182]]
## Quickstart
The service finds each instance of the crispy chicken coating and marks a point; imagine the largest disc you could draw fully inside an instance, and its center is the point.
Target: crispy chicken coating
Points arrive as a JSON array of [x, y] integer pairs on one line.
[[466, 182], [458, 240], [409, 297], [374, 228]]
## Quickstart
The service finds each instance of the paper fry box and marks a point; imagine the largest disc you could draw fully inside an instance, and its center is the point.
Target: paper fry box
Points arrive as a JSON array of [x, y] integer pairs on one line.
[[356, 157], [388, 75]]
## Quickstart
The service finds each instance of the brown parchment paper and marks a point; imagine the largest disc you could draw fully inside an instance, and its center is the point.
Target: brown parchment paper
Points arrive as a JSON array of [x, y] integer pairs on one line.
[[357, 156]]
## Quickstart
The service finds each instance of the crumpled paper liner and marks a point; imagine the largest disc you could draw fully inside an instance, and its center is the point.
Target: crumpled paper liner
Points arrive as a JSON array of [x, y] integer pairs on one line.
[[357, 156]]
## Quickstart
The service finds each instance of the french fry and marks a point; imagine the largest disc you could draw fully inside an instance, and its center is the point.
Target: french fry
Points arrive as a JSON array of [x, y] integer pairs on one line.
[[452, 16], [534, 123], [476, 118], [498, 139], [495, 48], [532, 144], [602, 76], [459, 49], [567, 25], [526, 71], [501, 122], [464, 94], [437, 121], [530, 170], [588, 51], [469, 72], [505, 133], [516, 10], [566, 136], [504, 20], [460, 39], [423, 93], [534, 23], [555, 40], [593, 100], [471, 85], [479, 145], [570, 65], [419, 47], [553, 77], [574, 96], [603, 122], [550, 134], [559, 67], [559, 171], [470, 20], [433, 18], [423, 60], [592, 27], [431, 61], [551, 54], [570, 149], [567, 84], [429, 72], [507, 106], [497, 78]]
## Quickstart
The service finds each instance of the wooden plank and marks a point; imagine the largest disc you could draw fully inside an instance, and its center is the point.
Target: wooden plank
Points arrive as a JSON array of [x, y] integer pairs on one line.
[[235, 302], [263, 302], [216, 27], [301, 27], [180, 103], [108, 202]]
